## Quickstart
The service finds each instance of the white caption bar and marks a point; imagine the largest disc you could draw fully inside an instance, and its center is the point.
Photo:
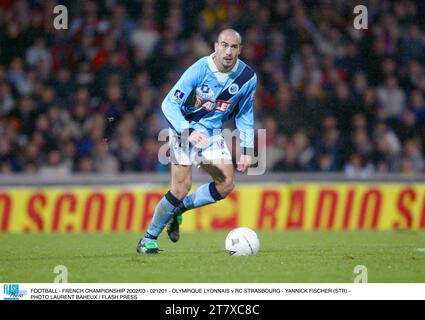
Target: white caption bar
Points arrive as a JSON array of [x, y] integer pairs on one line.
[[210, 291]]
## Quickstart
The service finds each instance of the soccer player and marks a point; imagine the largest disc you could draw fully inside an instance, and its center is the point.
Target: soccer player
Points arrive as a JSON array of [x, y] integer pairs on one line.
[[213, 90]]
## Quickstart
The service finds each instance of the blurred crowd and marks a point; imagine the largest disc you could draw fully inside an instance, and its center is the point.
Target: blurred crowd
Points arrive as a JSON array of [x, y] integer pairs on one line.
[[332, 98]]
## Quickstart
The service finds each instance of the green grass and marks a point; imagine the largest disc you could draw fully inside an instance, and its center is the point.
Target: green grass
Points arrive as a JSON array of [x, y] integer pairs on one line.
[[199, 257]]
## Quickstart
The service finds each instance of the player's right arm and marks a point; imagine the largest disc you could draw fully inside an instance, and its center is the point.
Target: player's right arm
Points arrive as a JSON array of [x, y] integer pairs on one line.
[[175, 99]]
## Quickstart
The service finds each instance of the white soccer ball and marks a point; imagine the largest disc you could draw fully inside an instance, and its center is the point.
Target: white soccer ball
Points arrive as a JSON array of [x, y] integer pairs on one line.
[[242, 242]]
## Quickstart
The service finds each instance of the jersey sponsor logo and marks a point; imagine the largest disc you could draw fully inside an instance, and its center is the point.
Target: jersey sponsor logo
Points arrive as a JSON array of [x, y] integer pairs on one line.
[[205, 92], [234, 88], [222, 106], [205, 88], [210, 105], [178, 96]]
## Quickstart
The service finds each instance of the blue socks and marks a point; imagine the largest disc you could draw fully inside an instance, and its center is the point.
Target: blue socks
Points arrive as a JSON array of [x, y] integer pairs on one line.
[[163, 213], [205, 194], [170, 205]]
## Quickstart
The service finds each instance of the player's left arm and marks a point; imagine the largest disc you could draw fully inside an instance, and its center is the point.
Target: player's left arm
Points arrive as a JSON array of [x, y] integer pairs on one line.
[[245, 123]]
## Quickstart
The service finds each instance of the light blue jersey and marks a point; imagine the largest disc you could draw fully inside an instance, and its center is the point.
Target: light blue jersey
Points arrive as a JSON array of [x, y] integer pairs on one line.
[[204, 98]]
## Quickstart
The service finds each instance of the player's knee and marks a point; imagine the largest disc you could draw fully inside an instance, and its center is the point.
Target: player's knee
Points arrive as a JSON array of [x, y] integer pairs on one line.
[[181, 190], [226, 187], [187, 187], [179, 193]]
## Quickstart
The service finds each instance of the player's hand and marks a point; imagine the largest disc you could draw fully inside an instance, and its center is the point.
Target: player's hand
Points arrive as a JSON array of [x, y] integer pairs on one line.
[[244, 163], [198, 139]]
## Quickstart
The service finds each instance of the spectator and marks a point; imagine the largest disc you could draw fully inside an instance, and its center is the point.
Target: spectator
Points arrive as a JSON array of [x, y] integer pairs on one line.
[[417, 105], [413, 153], [127, 151], [104, 162], [54, 167], [358, 167], [391, 98], [331, 98], [85, 165], [290, 161], [38, 54], [274, 150], [145, 36]]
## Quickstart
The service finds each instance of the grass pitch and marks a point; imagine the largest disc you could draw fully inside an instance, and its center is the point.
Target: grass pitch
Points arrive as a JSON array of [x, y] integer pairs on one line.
[[200, 257]]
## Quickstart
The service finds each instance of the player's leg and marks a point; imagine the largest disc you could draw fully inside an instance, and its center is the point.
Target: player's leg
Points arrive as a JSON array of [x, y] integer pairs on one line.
[[222, 185], [206, 194], [181, 180], [218, 164]]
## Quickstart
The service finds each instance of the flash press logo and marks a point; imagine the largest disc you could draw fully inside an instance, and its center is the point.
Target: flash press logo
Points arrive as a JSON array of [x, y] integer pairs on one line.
[[12, 292]]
